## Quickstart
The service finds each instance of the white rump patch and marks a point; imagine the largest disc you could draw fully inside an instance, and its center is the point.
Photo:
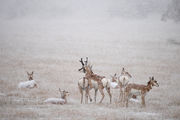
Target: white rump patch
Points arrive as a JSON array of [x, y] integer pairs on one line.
[[134, 100], [114, 85], [55, 101], [27, 84]]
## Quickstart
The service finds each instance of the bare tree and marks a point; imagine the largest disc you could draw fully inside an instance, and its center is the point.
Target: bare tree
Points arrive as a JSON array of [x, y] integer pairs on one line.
[[172, 12]]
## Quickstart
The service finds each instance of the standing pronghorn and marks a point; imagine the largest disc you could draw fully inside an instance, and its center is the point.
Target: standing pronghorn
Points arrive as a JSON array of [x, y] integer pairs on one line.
[[83, 84], [142, 89], [101, 81], [123, 82]]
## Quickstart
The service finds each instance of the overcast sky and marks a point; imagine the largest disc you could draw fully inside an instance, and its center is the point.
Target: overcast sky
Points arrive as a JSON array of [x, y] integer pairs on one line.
[[10, 9]]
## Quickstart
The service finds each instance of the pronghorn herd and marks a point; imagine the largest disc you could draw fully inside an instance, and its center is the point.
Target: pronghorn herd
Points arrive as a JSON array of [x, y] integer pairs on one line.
[[97, 82], [90, 81]]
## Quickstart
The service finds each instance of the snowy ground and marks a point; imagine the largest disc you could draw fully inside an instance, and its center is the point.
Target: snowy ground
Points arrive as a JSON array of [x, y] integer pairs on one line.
[[52, 49]]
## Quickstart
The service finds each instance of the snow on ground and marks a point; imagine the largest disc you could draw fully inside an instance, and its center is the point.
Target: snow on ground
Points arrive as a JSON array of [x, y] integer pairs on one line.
[[52, 48]]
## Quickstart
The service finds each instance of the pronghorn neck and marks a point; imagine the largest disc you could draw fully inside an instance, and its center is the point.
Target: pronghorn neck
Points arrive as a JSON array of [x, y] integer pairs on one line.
[[113, 80], [30, 79], [83, 82], [149, 86], [95, 77], [65, 100], [64, 97]]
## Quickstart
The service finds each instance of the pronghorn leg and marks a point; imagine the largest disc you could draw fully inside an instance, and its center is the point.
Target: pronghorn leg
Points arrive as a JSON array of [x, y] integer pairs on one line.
[[81, 92], [90, 83], [126, 98], [120, 95], [143, 100], [87, 94], [95, 94], [102, 93], [109, 92]]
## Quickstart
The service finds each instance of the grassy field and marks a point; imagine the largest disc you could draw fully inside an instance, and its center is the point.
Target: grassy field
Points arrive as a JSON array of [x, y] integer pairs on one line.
[[52, 49]]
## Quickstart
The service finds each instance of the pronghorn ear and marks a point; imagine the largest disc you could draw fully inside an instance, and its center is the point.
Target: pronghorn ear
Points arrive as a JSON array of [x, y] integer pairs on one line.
[[152, 77], [119, 78], [91, 67], [86, 62], [129, 75], [27, 72]]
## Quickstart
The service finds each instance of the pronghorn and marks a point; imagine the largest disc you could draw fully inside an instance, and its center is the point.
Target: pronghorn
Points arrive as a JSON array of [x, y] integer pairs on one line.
[[142, 90], [28, 84], [62, 100], [123, 82], [114, 82], [101, 81], [83, 84]]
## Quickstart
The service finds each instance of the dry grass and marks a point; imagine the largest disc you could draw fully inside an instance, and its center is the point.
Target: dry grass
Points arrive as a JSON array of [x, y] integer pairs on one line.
[[54, 59]]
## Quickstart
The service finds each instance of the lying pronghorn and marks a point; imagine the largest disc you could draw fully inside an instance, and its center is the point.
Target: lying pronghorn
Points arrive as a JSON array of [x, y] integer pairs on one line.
[[142, 90], [123, 82], [62, 100], [28, 84]]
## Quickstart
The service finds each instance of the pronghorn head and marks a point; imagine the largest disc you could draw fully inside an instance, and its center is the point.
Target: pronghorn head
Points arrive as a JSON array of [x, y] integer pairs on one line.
[[30, 75], [88, 69], [64, 93], [114, 78], [125, 73], [84, 64], [153, 82]]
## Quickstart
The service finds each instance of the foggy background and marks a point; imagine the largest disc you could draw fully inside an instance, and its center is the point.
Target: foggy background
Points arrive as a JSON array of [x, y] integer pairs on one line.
[[50, 36], [60, 9]]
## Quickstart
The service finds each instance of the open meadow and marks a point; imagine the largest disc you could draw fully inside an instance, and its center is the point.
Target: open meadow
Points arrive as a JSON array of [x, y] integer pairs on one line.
[[52, 49]]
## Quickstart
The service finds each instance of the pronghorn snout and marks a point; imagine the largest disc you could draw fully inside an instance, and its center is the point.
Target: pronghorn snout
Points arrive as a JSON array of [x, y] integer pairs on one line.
[[67, 93]]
